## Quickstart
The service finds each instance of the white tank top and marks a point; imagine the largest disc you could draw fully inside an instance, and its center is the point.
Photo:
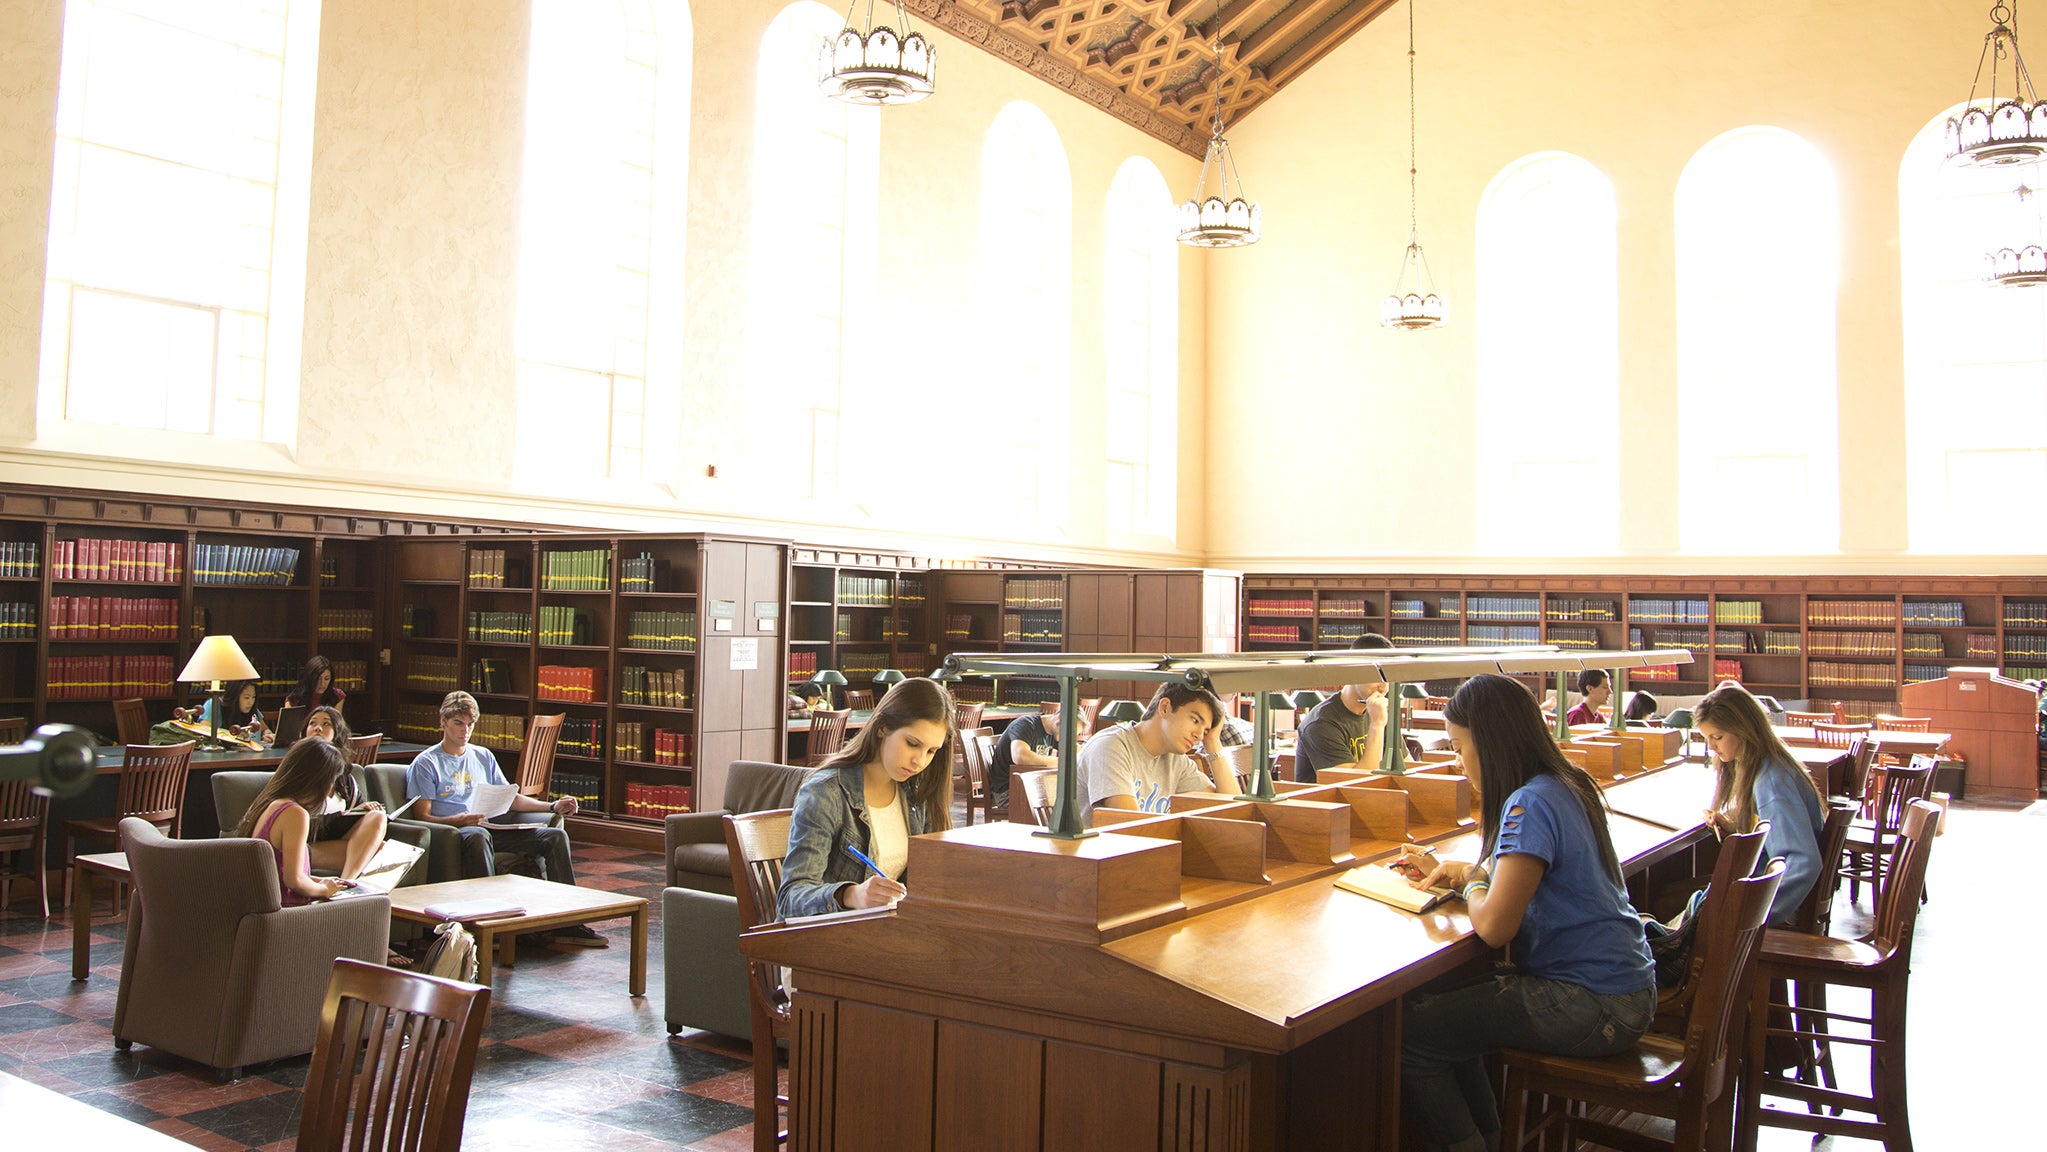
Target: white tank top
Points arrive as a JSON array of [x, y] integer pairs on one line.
[[891, 846]]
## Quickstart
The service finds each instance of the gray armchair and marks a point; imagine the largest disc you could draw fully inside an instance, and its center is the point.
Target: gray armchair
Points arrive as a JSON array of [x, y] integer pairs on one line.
[[233, 792], [703, 972], [385, 783], [214, 968]]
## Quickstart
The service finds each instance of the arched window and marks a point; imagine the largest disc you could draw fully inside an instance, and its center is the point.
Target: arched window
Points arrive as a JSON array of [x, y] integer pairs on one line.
[[1548, 360], [1975, 353], [1026, 275], [175, 288], [601, 238], [1141, 296], [815, 174], [1758, 227]]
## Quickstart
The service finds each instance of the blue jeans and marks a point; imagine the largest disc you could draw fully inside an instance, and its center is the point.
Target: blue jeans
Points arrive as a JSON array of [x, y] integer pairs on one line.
[[1446, 1035]]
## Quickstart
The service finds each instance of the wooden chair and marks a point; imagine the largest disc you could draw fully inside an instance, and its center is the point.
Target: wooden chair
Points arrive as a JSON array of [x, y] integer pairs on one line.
[[975, 747], [131, 721], [1861, 752], [1830, 735], [860, 699], [152, 790], [1040, 790], [362, 750], [827, 735], [1737, 860], [24, 827], [1233, 769], [1807, 719], [985, 740], [1870, 841], [1090, 708], [1815, 917], [392, 1066], [1881, 965], [966, 716], [536, 757], [756, 843], [1904, 723], [1689, 1080], [13, 730]]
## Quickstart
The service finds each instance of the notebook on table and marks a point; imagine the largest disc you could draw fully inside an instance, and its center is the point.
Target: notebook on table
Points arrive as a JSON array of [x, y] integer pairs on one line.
[[1389, 887], [482, 909]]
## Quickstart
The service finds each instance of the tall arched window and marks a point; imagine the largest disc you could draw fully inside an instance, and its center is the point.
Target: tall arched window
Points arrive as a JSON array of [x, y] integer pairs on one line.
[[815, 172], [1548, 359], [1141, 296], [601, 238], [1758, 236], [175, 289], [1975, 353], [1026, 278]]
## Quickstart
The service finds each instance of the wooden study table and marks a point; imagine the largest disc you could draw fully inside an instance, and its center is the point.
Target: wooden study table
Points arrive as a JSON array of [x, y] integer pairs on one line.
[[1900, 744], [1193, 980]]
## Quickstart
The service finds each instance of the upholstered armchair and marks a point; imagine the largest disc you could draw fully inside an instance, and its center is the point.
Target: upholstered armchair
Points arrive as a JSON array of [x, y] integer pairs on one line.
[[233, 792]]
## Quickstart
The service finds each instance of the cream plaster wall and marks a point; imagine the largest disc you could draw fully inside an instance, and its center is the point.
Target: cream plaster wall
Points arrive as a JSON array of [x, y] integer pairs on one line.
[[409, 375], [1634, 88]]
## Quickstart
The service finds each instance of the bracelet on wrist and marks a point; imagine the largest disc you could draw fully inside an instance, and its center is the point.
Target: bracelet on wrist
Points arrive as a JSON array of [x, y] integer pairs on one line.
[[1474, 887]]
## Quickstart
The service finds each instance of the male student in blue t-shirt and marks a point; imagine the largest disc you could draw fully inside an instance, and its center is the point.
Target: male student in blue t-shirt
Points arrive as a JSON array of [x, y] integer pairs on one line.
[[445, 776]]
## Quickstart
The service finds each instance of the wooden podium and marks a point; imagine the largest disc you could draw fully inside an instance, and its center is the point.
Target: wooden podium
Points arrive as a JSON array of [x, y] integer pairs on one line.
[[1193, 980], [1993, 724]]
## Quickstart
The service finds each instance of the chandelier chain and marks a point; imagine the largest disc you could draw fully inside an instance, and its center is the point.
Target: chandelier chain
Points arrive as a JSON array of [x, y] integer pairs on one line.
[[1413, 211]]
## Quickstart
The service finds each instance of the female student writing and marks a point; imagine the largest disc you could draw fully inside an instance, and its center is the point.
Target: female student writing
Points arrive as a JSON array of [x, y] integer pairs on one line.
[[1547, 881], [240, 711], [316, 686], [1758, 779], [872, 796], [283, 812]]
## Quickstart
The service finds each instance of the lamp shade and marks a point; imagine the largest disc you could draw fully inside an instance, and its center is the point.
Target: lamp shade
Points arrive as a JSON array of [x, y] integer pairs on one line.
[[1278, 700], [830, 676], [1413, 692], [945, 675], [889, 678], [1306, 699], [217, 658], [1122, 711]]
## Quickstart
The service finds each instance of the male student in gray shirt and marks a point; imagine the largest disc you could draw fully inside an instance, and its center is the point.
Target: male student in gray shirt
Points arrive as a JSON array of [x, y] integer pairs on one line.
[[1348, 730]]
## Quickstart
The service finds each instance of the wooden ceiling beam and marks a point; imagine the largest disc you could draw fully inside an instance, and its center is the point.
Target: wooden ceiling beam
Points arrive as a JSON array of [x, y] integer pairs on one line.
[[1231, 18], [1296, 59], [1297, 17]]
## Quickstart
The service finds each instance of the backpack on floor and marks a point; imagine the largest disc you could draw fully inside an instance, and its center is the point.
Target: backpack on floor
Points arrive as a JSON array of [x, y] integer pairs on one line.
[[452, 954]]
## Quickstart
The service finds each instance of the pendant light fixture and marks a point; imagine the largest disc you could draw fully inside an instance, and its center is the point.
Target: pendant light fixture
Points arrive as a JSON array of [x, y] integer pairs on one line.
[[1219, 220], [1415, 303], [2023, 267], [877, 63], [1999, 129]]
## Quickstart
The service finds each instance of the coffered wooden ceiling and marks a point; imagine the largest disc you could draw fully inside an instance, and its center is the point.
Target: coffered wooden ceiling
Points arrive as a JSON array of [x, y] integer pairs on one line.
[[1152, 63]]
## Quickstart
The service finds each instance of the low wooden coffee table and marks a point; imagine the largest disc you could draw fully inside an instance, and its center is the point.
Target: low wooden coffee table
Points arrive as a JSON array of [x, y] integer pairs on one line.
[[547, 905]]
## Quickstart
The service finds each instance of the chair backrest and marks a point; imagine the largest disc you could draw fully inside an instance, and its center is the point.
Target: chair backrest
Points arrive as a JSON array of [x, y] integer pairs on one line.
[[966, 714], [1830, 735], [1728, 942], [756, 842], [976, 754], [1234, 769], [827, 734], [984, 740], [1897, 906], [1816, 915], [153, 783], [759, 785], [1861, 750], [1090, 707], [1904, 723], [392, 1066], [536, 758], [1041, 791], [233, 792], [21, 809], [860, 699], [1901, 786], [131, 721], [13, 730], [362, 750], [1807, 719]]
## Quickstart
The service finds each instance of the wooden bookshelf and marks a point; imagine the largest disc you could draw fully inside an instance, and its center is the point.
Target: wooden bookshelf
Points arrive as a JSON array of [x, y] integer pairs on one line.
[[858, 612]]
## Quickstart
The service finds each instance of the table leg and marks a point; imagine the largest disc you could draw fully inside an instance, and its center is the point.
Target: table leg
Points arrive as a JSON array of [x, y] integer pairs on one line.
[[508, 948], [637, 981], [486, 952], [81, 922]]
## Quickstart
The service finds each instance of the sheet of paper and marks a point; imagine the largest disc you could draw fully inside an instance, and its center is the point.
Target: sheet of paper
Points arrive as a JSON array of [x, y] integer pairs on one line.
[[492, 799]]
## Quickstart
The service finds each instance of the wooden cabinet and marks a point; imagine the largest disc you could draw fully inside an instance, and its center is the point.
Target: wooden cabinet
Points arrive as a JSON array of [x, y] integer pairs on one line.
[[859, 613]]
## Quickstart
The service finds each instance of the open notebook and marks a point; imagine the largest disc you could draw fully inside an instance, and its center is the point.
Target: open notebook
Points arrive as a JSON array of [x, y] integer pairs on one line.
[[1387, 886], [386, 868]]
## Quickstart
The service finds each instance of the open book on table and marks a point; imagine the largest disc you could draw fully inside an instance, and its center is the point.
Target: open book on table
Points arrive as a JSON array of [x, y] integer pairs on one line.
[[1389, 887]]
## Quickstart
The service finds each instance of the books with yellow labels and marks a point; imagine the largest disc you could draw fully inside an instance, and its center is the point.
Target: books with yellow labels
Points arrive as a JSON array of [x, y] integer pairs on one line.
[[1389, 887]]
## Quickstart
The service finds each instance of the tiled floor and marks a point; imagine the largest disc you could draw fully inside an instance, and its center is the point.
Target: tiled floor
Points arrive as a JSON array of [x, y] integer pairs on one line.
[[570, 1063]]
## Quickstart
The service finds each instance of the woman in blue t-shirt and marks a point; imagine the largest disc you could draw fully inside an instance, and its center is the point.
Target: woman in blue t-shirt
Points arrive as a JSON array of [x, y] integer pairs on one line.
[[1758, 779], [1547, 882]]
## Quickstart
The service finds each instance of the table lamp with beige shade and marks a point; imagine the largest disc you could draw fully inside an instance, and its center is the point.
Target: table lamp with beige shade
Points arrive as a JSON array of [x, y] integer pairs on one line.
[[216, 660]]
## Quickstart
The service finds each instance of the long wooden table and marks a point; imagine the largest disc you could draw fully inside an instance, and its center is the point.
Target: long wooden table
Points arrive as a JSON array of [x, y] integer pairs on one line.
[[40, 1118], [1194, 980]]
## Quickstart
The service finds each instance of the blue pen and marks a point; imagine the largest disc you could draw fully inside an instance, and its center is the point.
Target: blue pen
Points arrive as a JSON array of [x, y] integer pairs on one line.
[[857, 854]]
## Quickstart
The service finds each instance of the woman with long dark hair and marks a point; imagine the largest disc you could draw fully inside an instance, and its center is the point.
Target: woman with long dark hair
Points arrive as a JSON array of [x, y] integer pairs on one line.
[[875, 794], [283, 814], [316, 686], [1548, 882], [1758, 779]]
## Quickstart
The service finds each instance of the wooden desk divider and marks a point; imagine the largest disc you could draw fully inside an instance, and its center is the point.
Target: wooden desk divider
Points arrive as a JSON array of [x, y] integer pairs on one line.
[[1091, 890]]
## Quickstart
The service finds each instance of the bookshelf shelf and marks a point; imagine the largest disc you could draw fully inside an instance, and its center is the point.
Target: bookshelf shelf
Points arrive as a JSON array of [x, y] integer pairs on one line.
[[654, 708]]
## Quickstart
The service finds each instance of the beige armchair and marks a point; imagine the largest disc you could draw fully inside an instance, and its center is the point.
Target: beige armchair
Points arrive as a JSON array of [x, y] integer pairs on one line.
[[215, 970]]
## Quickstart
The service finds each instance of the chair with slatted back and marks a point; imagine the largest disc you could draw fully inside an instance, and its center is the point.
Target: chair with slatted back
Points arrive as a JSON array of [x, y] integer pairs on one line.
[[24, 836], [1688, 1079], [1904, 723], [1040, 791], [1829, 735], [395, 1056], [131, 721], [1868, 849], [975, 746], [827, 735], [984, 740], [13, 730], [1738, 855], [756, 843], [860, 699], [1861, 752], [1881, 965], [966, 716], [362, 750], [1815, 917], [1090, 707], [1806, 719], [152, 790]]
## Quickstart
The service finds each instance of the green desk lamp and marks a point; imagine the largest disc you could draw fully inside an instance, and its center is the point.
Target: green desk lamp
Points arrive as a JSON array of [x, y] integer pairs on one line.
[[1121, 712], [888, 678], [826, 678]]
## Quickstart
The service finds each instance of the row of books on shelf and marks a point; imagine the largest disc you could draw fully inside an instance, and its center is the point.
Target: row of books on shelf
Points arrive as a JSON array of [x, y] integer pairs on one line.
[[866, 591], [1936, 613], [1661, 673], [1646, 610], [1915, 673], [1504, 635], [1503, 607], [860, 667], [643, 573], [135, 561], [2026, 671], [2025, 647], [1693, 638], [1035, 627], [1271, 633], [107, 677], [668, 631], [1855, 711], [1280, 606], [1864, 645], [496, 627], [560, 624], [973, 692], [656, 801], [959, 626], [1023, 690], [421, 724], [2025, 613], [1424, 634], [417, 620], [581, 736], [655, 688], [492, 676], [244, 564], [17, 620], [21, 559], [1581, 608], [346, 624], [802, 666], [1442, 607], [488, 568], [587, 788], [569, 682], [1724, 669], [1768, 642], [1340, 632], [431, 673], [1034, 592], [1981, 646], [588, 570], [1737, 611], [1571, 638], [1851, 612], [638, 742], [139, 619], [330, 571], [1826, 673], [1346, 606]]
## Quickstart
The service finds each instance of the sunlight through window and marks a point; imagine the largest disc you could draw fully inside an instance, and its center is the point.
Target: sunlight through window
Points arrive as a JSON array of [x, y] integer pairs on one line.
[[1141, 291]]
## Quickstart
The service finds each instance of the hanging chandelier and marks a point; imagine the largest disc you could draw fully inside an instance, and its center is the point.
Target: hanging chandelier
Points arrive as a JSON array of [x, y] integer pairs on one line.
[[1995, 130], [1220, 220], [1415, 303], [2023, 267], [877, 65]]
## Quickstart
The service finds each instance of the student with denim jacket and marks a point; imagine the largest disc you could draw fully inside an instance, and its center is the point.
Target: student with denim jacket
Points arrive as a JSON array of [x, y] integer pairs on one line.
[[1549, 883], [892, 781]]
